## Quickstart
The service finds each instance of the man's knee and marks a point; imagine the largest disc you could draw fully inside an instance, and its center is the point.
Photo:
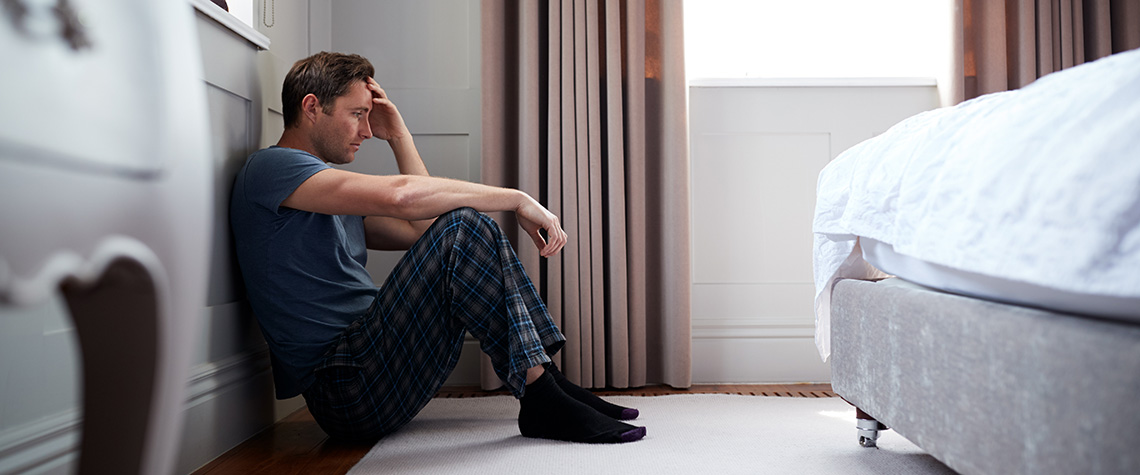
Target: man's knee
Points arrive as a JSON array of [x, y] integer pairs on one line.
[[473, 218], [464, 214]]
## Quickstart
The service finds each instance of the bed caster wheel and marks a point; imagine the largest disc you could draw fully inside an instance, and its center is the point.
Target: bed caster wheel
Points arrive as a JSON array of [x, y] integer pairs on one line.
[[868, 430]]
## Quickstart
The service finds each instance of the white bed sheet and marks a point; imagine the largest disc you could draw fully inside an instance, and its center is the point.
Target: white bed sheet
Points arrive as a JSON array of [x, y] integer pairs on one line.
[[883, 256], [1039, 185]]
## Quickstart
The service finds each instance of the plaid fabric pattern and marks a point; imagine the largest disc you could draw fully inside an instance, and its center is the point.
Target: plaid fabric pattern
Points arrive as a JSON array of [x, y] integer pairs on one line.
[[461, 275]]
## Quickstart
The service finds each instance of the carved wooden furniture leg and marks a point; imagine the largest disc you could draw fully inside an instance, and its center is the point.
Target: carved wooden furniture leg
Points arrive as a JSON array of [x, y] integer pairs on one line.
[[116, 319]]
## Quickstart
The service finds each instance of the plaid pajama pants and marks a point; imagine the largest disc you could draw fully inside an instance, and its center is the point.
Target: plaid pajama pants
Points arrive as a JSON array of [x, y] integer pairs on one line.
[[461, 275]]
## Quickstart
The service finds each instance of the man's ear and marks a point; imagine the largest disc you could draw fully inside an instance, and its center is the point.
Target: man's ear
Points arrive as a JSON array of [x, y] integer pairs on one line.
[[310, 107]]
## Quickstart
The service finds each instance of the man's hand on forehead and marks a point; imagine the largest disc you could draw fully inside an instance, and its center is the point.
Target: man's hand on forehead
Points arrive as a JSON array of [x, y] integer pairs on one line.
[[384, 119]]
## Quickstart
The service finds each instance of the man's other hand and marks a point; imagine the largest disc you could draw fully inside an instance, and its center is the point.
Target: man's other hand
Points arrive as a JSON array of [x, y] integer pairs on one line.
[[533, 218]]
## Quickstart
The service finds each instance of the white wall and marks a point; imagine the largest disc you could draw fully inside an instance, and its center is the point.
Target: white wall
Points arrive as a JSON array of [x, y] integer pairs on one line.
[[757, 147]]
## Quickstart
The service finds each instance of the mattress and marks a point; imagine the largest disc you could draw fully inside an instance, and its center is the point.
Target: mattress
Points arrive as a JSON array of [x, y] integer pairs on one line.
[[1039, 186], [884, 257]]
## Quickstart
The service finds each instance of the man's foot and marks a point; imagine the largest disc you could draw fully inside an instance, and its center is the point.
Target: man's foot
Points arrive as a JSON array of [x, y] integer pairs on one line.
[[547, 412], [590, 399]]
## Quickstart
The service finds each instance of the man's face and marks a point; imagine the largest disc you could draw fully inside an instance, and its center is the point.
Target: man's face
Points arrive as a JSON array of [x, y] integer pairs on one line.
[[338, 135]]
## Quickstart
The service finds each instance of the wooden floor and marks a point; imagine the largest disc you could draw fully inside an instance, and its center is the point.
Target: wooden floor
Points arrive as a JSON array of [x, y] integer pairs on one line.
[[296, 445]]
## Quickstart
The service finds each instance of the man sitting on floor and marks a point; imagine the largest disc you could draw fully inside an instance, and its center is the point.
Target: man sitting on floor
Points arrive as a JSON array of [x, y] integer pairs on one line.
[[367, 359]]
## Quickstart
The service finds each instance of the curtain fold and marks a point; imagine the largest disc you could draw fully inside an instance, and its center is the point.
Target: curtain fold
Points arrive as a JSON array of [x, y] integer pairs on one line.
[[1005, 44], [584, 108]]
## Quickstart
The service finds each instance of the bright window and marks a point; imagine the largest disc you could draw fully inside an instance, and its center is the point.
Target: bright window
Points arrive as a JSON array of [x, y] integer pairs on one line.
[[816, 38], [243, 10]]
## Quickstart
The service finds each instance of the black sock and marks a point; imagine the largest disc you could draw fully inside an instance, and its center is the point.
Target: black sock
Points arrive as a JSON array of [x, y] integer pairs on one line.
[[590, 399], [547, 412]]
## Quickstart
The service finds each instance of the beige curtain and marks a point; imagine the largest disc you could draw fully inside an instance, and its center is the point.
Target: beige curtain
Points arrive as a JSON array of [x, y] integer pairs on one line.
[[584, 108], [1005, 44]]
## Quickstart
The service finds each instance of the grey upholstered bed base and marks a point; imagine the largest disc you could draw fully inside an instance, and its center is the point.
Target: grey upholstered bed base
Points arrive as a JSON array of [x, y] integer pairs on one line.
[[989, 388]]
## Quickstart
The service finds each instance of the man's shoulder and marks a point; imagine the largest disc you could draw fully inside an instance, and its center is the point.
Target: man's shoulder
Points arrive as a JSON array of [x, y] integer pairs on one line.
[[274, 152], [271, 174], [274, 160]]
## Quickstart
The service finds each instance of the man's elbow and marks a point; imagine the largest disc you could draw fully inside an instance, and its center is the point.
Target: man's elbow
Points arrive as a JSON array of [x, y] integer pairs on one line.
[[404, 198]]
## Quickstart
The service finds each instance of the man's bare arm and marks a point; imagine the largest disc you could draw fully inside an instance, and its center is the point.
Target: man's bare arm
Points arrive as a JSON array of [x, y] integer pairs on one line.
[[415, 197]]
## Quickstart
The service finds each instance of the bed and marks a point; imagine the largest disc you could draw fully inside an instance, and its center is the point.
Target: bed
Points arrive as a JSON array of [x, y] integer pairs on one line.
[[977, 274]]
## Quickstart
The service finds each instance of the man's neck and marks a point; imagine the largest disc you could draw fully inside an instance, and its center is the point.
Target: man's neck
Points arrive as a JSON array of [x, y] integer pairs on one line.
[[293, 137]]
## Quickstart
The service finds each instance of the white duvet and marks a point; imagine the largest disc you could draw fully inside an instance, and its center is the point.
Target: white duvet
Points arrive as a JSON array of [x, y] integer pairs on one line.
[[1039, 185]]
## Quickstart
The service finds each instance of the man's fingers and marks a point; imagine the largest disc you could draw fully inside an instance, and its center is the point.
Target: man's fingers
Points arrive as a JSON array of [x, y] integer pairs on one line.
[[376, 89], [562, 236], [539, 242], [557, 239]]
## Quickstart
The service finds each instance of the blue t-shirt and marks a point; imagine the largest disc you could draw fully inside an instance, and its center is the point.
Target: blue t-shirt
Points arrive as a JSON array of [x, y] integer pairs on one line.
[[304, 272]]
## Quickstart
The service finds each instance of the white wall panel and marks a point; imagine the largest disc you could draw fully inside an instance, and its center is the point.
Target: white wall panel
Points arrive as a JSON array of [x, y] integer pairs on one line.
[[757, 360], [757, 148], [414, 45], [765, 301], [42, 333], [231, 126], [743, 184]]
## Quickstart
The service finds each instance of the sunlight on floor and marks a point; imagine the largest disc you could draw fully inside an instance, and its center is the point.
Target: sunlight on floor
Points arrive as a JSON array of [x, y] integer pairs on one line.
[[846, 416]]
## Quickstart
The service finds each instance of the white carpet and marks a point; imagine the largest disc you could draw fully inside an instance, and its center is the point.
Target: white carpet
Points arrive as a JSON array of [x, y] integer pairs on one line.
[[703, 433]]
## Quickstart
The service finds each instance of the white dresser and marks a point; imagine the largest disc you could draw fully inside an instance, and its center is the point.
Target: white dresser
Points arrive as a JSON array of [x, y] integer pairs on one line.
[[105, 203]]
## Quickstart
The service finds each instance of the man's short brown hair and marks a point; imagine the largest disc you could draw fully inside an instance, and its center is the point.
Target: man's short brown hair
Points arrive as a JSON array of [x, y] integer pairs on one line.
[[324, 75]]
